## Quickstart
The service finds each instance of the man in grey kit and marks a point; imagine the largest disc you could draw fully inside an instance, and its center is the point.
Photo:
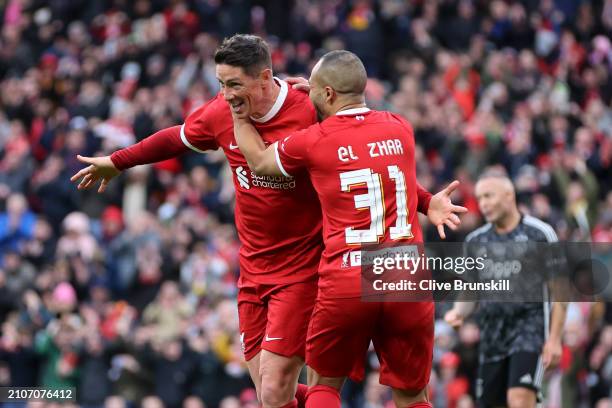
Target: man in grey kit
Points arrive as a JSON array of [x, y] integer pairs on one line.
[[518, 340]]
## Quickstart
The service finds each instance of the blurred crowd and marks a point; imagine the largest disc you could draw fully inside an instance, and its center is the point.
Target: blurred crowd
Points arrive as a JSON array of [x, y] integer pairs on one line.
[[129, 296]]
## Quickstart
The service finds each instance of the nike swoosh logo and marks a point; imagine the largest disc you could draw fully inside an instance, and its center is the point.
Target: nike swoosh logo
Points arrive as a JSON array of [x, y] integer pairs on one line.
[[233, 146], [273, 338]]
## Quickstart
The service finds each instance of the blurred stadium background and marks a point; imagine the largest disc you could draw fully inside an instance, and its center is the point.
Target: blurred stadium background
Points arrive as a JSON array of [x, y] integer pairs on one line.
[[130, 295]]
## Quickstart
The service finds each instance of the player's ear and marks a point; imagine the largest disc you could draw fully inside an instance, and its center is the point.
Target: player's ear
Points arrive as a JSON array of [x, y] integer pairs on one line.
[[265, 75], [330, 95]]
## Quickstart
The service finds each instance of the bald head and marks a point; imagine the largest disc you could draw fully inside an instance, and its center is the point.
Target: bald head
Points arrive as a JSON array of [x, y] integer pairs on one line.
[[341, 70], [499, 180], [496, 197], [337, 82]]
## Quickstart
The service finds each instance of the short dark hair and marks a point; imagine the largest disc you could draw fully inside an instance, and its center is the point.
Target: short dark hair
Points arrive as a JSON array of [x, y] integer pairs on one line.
[[249, 52]]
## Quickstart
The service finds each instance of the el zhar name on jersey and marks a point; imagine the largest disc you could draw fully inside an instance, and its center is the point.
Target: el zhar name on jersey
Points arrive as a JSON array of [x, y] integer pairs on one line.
[[376, 149]]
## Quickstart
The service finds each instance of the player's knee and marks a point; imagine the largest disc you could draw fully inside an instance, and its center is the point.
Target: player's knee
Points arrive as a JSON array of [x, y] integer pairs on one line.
[[276, 390], [278, 384], [521, 398]]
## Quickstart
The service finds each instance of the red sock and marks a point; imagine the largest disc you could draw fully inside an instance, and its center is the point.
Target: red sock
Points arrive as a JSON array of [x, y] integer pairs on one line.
[[292, 404], [300, 395], [322, 396], [420, 405]]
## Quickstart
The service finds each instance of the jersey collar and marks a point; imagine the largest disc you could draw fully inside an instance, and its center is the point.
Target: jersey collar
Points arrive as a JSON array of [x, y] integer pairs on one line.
[[280, 99], [354, 111]]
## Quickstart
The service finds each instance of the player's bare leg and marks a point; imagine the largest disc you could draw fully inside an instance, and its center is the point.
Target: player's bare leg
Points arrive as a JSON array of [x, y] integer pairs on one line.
[[278, 378], [405, 398], [519, 397], [253, 365], [323, 391]]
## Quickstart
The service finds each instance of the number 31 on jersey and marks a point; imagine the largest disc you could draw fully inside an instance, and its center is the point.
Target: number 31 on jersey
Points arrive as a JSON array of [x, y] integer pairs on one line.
[[374, 200]]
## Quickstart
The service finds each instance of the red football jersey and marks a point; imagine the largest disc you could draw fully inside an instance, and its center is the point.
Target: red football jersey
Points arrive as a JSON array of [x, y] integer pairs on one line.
[[361, 163], [278, 218]]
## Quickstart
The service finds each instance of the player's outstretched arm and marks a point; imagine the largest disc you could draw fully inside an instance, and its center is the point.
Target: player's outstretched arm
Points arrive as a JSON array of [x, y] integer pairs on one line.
[[261, 160], [423, 199], [443, 212], [160, 146]]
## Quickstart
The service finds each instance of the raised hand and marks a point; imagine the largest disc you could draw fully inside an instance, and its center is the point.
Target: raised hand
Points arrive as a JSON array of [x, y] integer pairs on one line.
[[100, 169], [299, 83], [443, 212]]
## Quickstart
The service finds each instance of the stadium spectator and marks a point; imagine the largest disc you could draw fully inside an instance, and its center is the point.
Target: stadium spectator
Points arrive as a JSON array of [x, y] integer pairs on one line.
[[64, 66]]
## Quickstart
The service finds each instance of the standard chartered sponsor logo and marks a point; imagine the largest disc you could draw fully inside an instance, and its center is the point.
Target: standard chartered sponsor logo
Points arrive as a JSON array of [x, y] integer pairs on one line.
[[242, 177], [273, 182]]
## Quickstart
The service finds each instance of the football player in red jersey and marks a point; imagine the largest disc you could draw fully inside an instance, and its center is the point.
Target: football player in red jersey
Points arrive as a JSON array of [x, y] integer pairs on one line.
[[358, 159], [278, 218]]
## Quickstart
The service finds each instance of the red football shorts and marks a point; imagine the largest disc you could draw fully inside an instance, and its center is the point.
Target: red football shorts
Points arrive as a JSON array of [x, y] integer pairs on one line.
[[275, 317], [340, 332]]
